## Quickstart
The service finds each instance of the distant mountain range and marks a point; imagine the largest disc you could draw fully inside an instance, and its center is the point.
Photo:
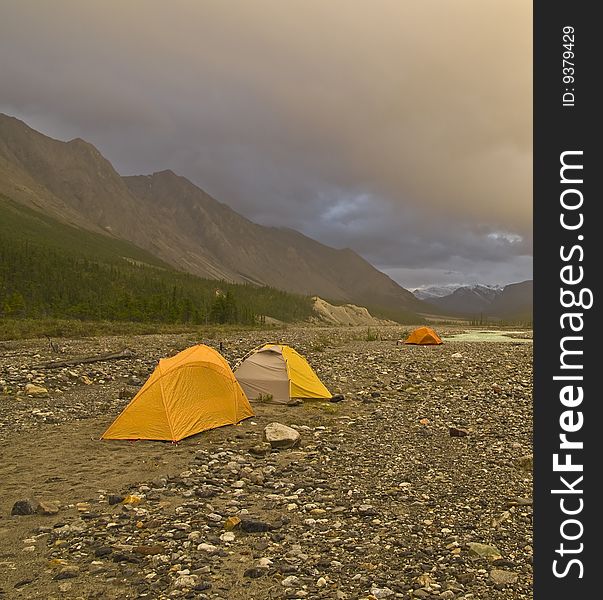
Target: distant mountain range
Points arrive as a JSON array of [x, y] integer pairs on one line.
[[438, 291], [513, 301], [179, 223]]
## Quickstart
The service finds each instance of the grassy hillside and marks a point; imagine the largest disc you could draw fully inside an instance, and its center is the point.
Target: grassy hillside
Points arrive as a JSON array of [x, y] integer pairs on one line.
[[52, 270]]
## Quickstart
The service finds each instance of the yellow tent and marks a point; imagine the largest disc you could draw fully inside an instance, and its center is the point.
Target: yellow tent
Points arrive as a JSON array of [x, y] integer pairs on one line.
[[187, 393], [279, 372], [423, 336]]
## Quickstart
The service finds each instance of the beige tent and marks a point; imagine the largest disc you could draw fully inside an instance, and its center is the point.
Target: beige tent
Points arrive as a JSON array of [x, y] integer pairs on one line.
[[280, 373]]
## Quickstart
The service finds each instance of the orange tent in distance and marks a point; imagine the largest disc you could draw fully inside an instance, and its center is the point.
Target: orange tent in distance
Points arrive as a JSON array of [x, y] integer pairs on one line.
[[423, 336]]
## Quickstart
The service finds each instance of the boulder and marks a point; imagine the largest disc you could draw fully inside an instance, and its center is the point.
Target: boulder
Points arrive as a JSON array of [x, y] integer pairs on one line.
[[281, 436]]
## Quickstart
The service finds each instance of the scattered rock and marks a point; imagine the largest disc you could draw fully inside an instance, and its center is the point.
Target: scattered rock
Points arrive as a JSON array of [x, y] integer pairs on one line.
[[264, 563], [67, 572], [484, 551], [525, 463], [149, 550], [465, 578], [47, 508], [255, 526], [254, 572], [519, 501], [132, 499], [262, 449], [425, 580], [367, 510], [185, 581], [382, 592], [458, 432], [24, 507], [232, 523], [502, 577], [290, 581], [281, 436], [126, 393], [37, 391]]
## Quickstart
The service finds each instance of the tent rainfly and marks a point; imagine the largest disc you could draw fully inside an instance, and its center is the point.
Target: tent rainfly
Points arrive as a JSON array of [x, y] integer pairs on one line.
[[190, 392], [278, 372], [423, 336]]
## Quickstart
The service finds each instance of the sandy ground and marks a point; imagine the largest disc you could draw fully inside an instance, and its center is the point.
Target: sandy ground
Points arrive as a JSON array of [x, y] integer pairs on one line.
[[68, 463]]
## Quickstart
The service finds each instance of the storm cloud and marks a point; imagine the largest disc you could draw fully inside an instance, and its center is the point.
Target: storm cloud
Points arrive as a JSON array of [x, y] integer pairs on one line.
[[399, 129]]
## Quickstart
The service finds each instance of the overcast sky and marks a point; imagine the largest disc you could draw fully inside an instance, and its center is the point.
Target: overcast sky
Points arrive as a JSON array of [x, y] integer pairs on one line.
[[401, 129]]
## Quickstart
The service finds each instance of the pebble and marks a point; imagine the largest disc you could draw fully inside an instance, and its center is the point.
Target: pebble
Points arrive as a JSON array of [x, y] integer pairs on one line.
[[262, 449], [290, 581], [381, 593], [37, 391], [67, 572], [484, 551], [47, 508], [185, 581], [502, 577], [255, 525]]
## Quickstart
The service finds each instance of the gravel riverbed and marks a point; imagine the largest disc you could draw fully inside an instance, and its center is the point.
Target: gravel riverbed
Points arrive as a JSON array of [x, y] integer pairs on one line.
[[417, 484]]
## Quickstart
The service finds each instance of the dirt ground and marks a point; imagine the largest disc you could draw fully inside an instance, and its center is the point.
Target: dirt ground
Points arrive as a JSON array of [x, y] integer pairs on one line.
[[382, 499]]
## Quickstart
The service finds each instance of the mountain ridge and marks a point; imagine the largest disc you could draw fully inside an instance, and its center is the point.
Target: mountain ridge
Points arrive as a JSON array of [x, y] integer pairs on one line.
[[513, 301], [438, 291], [169, 216]]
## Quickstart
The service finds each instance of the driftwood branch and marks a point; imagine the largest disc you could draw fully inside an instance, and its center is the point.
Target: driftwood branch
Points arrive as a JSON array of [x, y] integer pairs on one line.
[[57, 364]]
